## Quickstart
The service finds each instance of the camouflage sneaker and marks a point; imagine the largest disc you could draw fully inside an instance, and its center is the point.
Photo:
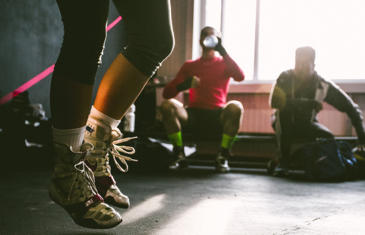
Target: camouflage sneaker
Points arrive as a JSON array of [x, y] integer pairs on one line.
[[106, 143], [73, 188]]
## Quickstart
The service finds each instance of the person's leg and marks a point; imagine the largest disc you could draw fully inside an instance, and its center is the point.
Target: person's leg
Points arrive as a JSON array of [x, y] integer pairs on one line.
[[174, 115], [231, 118], [150, 41], [283, 128], [72, 186], [73, 77], [317, 130]]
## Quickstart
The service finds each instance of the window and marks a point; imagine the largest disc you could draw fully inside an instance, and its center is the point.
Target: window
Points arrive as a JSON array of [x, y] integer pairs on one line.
[[262, 35], [213, 13], [239, 33]]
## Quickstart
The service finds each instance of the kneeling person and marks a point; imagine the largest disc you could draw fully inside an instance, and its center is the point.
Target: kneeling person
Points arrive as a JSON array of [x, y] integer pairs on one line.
[[207, 79], [297, 97]]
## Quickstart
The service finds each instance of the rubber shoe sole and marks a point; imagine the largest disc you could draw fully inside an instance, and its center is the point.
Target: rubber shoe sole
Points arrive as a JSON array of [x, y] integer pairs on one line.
[[77, 217]]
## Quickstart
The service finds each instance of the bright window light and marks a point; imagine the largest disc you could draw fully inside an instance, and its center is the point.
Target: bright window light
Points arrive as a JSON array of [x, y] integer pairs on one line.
[[144, 209], [209, 216], [213, 14], [334, 28], [239, 33]]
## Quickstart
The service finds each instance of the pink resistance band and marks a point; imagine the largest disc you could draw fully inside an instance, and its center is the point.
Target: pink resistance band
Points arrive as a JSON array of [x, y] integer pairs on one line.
[[43, 74]]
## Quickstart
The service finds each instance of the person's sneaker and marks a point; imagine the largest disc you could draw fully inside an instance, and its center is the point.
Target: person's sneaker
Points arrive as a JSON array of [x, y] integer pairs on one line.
[[281, 170], [106, 145], [105, 182], [73, 188], [270, 166], [221, 161], [178, 160]]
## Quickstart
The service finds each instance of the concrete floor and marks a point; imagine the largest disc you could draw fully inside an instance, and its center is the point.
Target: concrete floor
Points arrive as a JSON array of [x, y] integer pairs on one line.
[[194, 201]]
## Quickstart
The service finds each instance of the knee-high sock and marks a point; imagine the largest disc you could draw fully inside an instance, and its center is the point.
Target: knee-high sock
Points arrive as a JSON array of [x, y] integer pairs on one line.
[[227, 141], [176, 139]]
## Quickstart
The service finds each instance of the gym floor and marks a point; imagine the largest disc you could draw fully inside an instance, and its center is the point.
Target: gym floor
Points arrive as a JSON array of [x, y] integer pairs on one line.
[[191, 201]]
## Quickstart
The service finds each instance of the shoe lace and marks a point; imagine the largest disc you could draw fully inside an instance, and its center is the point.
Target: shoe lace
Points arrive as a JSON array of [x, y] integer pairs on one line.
[[84, 172], [116, 150]]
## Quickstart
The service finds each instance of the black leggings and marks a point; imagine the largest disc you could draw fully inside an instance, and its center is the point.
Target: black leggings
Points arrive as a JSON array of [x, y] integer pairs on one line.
[[148, 29]]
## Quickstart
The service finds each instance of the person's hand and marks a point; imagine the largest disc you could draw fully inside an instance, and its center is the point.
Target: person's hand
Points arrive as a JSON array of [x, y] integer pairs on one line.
[[360, 147], [190, 82], [219, 47], [195, 82], [359, 152]]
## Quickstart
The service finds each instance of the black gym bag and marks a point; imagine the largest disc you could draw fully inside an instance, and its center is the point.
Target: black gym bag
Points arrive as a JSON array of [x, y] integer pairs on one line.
[[327, 160]]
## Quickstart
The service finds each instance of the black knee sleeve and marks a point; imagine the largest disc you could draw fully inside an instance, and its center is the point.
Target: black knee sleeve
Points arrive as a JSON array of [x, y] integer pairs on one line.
[[149, 31], [148, 52]]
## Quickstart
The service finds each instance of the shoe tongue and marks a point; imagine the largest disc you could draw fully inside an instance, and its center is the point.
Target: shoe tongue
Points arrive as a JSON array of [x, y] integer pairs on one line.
[[97, 133], [86, 147], [97, 129]]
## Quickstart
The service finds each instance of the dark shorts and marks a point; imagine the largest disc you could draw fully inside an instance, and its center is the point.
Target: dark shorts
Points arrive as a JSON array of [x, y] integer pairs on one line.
[[204, 124]]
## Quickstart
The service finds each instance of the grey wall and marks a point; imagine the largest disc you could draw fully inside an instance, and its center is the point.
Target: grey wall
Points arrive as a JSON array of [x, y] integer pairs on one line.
[[30, 38]]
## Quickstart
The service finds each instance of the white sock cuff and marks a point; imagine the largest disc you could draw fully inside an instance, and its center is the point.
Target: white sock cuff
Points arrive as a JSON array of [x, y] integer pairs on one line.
[[96, 114], [70, 137], [68, 131]]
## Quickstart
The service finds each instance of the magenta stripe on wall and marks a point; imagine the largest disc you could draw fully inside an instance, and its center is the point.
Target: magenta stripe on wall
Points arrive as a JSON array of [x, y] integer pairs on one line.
[[42, 74]]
